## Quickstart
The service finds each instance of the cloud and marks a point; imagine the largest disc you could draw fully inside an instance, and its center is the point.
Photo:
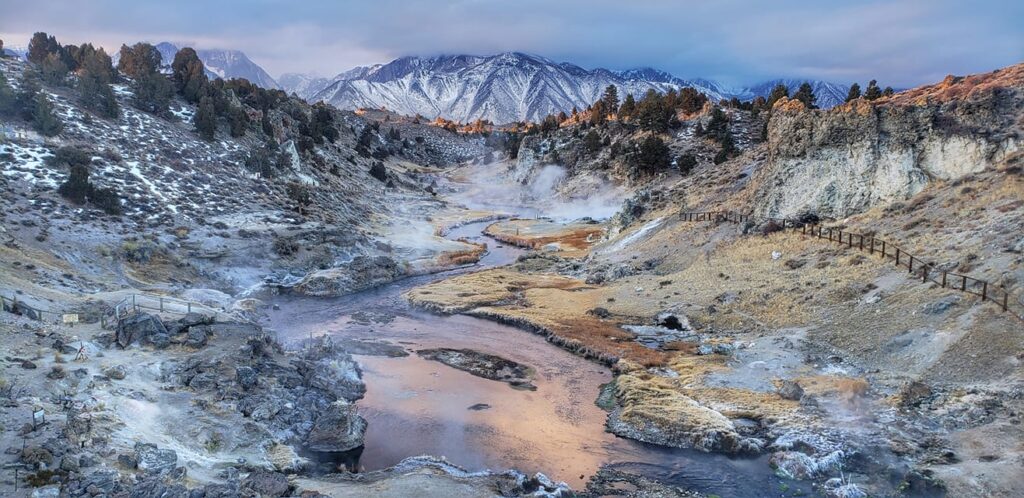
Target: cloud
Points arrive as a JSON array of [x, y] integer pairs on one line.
[[902, 42]]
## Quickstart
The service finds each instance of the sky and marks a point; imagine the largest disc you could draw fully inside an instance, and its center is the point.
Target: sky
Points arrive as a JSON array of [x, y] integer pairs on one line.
[[900, 43]]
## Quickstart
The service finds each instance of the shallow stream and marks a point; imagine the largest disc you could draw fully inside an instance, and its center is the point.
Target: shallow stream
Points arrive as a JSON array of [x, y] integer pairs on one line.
[[416, 406]]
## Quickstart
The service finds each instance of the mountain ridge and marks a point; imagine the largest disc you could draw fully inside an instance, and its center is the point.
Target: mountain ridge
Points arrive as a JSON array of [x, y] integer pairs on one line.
[[218, 63], [509, 86]]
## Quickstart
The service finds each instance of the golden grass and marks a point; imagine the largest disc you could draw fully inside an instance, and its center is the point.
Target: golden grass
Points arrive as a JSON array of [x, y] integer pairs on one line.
[[572, 239]]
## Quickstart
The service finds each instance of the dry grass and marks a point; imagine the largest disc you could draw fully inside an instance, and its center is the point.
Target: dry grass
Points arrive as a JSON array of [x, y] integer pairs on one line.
[[571, 239]]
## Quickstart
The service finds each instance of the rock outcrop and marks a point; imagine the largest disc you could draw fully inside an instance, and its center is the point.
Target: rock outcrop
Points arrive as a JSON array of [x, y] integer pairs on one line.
[[841, 161]]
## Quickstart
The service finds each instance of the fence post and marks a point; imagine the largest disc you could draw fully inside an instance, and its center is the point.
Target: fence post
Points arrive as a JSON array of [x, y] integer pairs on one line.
[[897, 256], [943, 279], [963, 285], [161, 304], [883, 250], [189, 306], [1006, 296], [910, 268], [924, 274], [984, 290]]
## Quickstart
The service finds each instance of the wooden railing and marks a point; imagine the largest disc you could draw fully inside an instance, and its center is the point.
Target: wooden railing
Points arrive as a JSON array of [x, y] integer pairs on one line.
[[131, 303], [919, 268]]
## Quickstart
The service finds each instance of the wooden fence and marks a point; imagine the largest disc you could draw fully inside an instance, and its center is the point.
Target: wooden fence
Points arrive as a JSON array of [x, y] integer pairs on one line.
[[131, 303], [917, 267], [13, 305]]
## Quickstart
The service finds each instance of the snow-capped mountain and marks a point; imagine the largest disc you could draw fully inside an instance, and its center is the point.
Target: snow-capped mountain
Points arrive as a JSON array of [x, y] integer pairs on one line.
[[501, 88], [219, 63], [18, 52], [235, 64], [507, 87], [827, 94], [303, 85]]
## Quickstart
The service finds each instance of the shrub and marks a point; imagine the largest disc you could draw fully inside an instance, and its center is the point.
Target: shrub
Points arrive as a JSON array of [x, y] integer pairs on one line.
[[652, 155], [686, 163], [284, 246]]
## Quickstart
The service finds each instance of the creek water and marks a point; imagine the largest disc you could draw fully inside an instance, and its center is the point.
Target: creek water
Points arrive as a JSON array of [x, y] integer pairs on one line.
[[415, 406]]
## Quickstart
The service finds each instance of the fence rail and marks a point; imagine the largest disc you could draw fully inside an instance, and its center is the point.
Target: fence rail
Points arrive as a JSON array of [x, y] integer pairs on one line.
[[917, 267], [13, 305], [129, 304]]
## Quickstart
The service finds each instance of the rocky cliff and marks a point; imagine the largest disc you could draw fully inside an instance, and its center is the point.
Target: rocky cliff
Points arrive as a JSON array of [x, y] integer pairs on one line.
[[843, 160]]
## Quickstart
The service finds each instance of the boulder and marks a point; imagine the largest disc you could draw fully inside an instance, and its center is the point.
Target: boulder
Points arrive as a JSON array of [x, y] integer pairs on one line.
[[363, 272], [339, 428], [117, 372], [188, 321], [160, 341], [197, 336], [246, 377], [266, 484], [154, 460], [138, 327], [790, 390]]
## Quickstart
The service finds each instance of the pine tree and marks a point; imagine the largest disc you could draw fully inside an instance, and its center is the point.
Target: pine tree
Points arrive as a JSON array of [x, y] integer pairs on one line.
[[139, 60], [628, 108], [598, 115], [53, 70], [44, 120], [610, 99], [238, 121], [652, 114], [686, 163], [188, 75], [854, 93], [653, 154], [873, 92], [718, 125], [690, 100], [94, 85], [888, 92], [28, 90], [728, 149], [8, 99], [76, 187], [805, 94], [205, 118], [592, 141], [758, 105], [153, 92], [41, 46], [776, 94]]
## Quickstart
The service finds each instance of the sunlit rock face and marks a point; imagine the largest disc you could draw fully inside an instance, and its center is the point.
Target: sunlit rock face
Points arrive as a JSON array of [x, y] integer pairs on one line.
[[843, 160]]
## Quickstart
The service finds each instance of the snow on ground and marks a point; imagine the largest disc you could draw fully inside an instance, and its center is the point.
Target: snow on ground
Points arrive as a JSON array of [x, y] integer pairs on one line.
[[28, 163]]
